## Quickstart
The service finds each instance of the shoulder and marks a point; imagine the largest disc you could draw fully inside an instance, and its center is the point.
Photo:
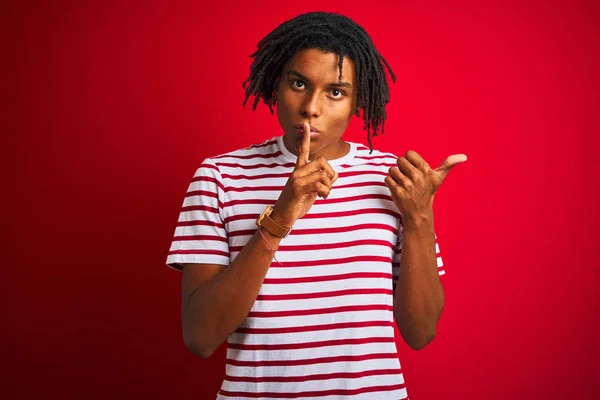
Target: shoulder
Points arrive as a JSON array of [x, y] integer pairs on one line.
[[257, 151], [365, 156], [254, 153], [240, 161]]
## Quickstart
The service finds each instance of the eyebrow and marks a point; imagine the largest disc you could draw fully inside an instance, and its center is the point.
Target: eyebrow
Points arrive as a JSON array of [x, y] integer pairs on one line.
[[304, 78]]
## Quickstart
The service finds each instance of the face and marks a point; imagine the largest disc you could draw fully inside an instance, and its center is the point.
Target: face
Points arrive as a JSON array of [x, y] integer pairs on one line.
[[309, 91]]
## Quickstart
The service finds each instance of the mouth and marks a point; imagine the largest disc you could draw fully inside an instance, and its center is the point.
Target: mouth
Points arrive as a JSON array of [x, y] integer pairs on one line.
[[314, 132]]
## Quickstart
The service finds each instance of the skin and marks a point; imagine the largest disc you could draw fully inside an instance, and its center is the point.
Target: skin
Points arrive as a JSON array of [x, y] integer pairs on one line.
[[309, 92], [216, 299], [419, 296]]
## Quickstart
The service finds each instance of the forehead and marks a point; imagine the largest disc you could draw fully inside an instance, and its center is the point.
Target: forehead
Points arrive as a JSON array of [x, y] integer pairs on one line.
[[322, 67]]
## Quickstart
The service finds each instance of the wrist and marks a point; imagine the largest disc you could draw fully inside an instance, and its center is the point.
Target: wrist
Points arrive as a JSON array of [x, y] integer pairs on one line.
[[285, 222], [419, 221], [272, 238]]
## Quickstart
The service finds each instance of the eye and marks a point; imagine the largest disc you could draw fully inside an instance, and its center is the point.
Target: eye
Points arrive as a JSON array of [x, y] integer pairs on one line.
[[296, 84], [337, 94]]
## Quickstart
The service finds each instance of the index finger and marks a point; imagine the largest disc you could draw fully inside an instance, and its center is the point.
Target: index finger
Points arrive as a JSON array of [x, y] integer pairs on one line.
[[304, 147]]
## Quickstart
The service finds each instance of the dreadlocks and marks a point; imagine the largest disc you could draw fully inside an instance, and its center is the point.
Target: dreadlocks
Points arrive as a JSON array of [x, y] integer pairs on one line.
[[332, 33]]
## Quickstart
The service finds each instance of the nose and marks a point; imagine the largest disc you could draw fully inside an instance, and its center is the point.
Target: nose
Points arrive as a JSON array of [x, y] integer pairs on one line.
[[311, 106]]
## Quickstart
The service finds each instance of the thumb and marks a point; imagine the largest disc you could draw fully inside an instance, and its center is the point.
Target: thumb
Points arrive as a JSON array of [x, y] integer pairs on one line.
[[450, 162]]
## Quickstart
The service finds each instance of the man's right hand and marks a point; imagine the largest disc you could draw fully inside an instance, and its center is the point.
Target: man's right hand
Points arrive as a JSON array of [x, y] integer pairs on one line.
[[307, 181]]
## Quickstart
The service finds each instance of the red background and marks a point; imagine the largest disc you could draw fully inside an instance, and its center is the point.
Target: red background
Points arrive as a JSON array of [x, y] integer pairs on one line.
[[111, 106]]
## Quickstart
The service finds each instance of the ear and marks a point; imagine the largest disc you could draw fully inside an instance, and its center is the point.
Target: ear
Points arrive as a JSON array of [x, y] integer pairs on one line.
[[276, 92], [277, 81]]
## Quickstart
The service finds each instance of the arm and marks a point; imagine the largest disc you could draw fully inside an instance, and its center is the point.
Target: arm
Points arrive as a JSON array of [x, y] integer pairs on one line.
[[216, 300], [419, 296]]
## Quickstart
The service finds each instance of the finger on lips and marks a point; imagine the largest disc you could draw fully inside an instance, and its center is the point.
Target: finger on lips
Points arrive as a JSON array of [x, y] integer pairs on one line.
[[306, 142], [316, 166], [304, 151]]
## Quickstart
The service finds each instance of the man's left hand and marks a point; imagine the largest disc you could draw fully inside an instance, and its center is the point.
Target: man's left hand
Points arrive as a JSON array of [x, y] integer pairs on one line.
[[413, 185]]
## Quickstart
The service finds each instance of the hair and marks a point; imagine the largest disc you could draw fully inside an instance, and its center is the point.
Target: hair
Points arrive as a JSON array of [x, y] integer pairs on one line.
[[331, 33]]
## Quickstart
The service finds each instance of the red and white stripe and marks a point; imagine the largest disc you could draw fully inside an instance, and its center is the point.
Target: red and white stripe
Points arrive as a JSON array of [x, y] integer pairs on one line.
[[323, 323]]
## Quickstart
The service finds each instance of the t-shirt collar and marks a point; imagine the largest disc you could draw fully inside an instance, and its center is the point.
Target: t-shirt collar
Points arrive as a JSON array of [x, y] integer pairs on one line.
[[338, 161]]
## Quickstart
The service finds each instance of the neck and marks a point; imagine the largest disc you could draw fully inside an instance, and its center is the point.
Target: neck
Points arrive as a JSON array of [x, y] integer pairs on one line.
[[329, 152]]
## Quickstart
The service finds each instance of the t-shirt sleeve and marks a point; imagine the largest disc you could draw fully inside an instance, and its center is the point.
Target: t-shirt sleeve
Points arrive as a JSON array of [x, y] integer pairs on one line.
[[398, 253], [200, 233]]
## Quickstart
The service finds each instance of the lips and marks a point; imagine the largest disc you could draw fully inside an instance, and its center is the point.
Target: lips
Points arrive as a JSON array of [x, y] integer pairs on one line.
[[300, 127], [314, 132]]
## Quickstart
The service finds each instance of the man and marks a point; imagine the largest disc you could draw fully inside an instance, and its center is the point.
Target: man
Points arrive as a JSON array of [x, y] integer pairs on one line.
[[303, 251]]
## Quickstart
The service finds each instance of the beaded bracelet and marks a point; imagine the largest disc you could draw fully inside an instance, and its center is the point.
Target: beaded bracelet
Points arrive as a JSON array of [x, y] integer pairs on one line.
[[270, 247]]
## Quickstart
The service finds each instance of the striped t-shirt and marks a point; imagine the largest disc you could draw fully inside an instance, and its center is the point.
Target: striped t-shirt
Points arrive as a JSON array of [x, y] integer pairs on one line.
[[322, 325]]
